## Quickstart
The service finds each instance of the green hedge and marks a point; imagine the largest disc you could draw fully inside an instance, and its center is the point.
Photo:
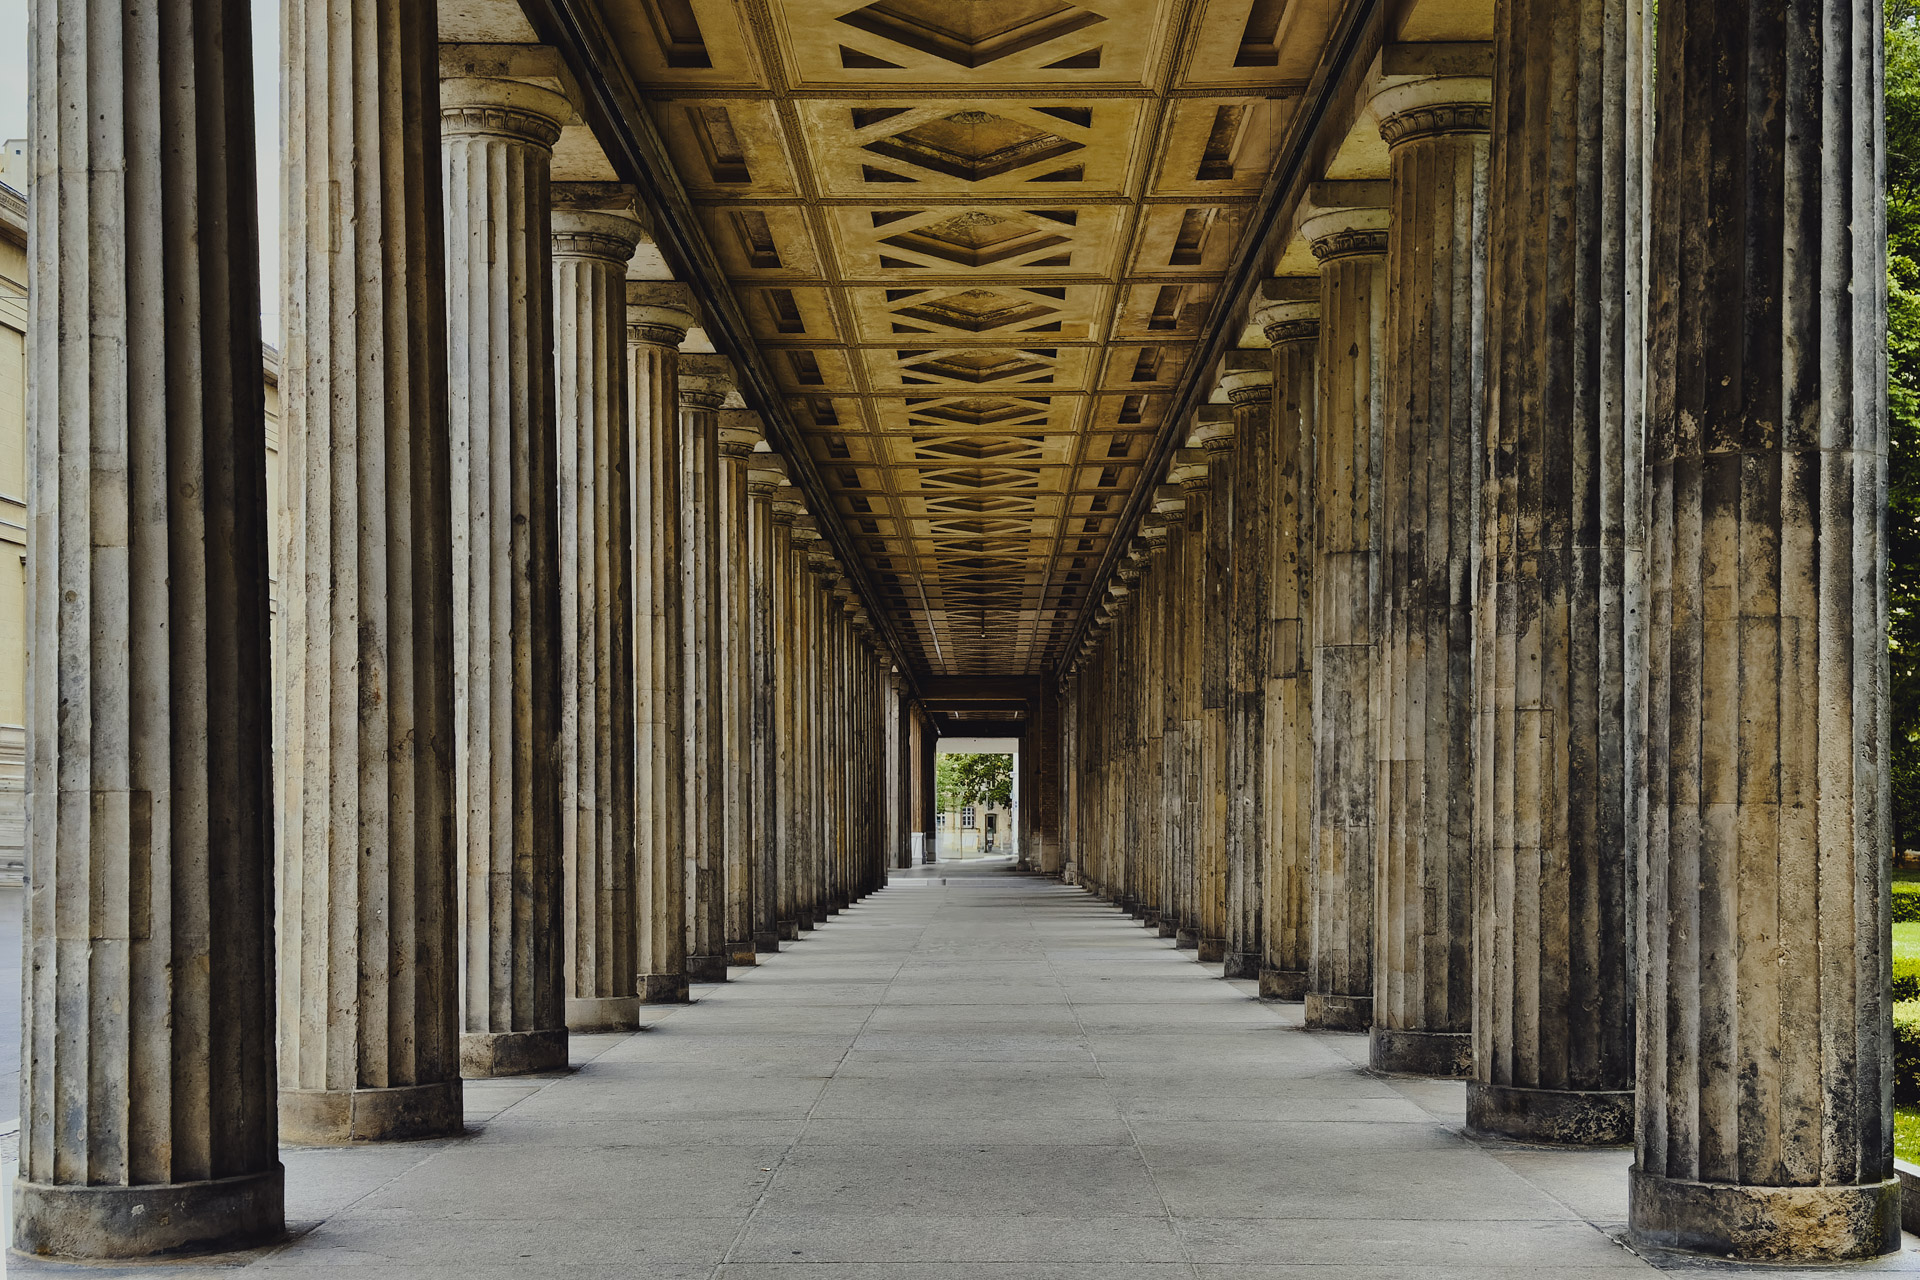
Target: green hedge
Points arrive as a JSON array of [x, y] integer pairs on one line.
[[1906, 901], [1906, 1051]]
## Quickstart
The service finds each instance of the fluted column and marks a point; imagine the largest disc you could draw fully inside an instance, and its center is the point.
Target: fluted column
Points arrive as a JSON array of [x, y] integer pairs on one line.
[[704, 382], [369, 983], [1213, 435], [591, 247], [1293, 327], [766, 472], [147, 1086], [1429, 489], [1560, 599], [1247, 380], [1351, 246], [497, 141], [1765, 1117], [739, 431], [1156, 598], [787, 745], [1179, 710], [658, 317]]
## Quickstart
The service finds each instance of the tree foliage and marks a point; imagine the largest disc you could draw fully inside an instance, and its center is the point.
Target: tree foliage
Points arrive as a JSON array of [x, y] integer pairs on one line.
[[1903, 406], [979, 779]]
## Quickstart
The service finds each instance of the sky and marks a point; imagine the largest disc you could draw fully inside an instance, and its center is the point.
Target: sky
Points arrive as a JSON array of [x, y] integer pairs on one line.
[[266, 61]]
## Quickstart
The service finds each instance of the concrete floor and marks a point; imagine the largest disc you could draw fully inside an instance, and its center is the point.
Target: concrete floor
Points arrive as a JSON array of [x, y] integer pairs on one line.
[[970, 1075]]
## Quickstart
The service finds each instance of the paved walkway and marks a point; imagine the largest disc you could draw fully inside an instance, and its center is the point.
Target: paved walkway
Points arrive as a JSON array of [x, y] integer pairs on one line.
[[970, 1075]]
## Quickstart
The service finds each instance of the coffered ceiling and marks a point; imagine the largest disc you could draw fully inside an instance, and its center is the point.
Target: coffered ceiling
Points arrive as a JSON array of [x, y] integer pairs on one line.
[[977, 242]]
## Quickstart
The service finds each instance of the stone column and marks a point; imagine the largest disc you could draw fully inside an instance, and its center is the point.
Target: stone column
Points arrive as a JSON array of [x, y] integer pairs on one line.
[[1292, 325], [786, 744], [1156, 611], [1179, 704], [369, 983], [1436, 130], [766, 473], [591, 247], [1351, 245], [658, 317], [1247, 380], [1765, 1125], [497, 141], [1213, 433], [704, 381], [739, 432], [1560, 599], [147, 1083]]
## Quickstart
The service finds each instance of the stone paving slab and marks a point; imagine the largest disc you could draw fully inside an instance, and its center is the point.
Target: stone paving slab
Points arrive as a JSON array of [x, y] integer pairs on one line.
[[995, 1078]]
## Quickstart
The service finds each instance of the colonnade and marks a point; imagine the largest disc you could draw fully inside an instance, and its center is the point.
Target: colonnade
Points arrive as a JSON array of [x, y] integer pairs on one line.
[[579, 706], [1549, 625]]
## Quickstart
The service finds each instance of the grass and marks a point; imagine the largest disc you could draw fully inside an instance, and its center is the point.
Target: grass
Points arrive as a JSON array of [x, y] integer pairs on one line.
[[1906, 1133]]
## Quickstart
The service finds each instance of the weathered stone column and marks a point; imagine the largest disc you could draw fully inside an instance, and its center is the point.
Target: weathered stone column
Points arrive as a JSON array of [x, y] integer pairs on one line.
[[497, 141], [787, 559], [1560, 600], [1213, 433], [1351, 245], [1765, 1118], [369, 983], [766, 473], [658, 317], [147, 1084], [739, 431], [1179, 704], [591, 247], [1292, 325], [1436, 130], [704, 381], [1160, 763], [1247, 379]]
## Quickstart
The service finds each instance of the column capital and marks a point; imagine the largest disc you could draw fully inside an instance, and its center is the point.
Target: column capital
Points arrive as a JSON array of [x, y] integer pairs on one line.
[[740, 431], [659, 312], [806, 529], [705, 379], [766, 473], [605, 236], [1153, 532], [1434, 105], [1170, 499], [1212, 429], [510, 109], [1346, 233], [1188, 470], [1247, 377], [788, 508]]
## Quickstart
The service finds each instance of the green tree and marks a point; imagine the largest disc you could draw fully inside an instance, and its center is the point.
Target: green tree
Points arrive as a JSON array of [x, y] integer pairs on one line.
[[1903, 406], [980, 779]]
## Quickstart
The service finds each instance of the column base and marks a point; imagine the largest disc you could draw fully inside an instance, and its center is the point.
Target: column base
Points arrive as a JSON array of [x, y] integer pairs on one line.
[[820, 918], [706, 968], [1283, 984], [663, 988], [603, 1013], [1167, 928], [1447, 1054], [1186, 940], [1331, 1011], [789, 931], [336, 1117], [1553, 1117], [1210, 950], [1148, 918], [101, 1222], [512, 1053], [1243, 965], [741, 954], [1765, 1224]]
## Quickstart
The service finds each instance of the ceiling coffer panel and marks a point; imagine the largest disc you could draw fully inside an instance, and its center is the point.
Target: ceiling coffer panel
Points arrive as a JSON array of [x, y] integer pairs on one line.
[[978, 243]]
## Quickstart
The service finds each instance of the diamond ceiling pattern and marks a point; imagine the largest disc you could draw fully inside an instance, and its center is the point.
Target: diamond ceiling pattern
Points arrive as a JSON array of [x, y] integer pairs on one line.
[[977, 242]]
